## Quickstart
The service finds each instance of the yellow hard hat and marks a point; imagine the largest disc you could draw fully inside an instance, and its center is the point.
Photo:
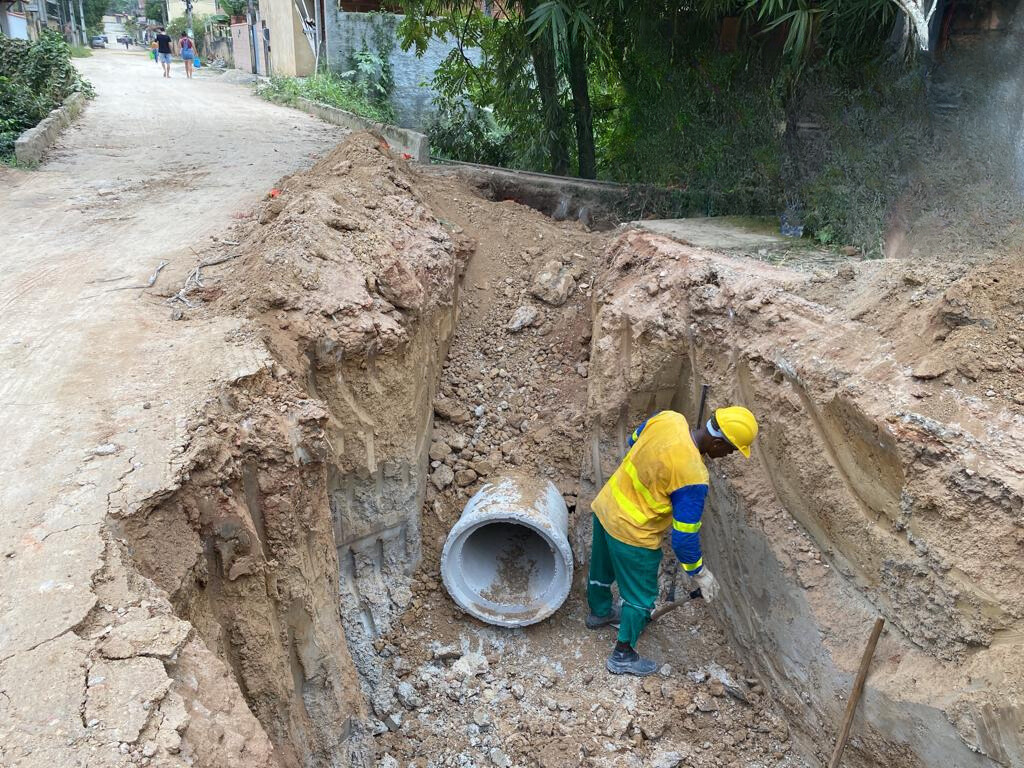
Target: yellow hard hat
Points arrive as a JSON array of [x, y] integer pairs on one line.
[[738, 425]]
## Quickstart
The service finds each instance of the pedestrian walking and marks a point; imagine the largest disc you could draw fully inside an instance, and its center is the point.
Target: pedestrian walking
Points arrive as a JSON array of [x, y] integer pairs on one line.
[[163, 48], [188, 53], [152, 49]]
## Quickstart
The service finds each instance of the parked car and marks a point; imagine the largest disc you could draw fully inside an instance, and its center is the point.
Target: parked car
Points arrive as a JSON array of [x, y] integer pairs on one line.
[[124, 39], [97, 41]]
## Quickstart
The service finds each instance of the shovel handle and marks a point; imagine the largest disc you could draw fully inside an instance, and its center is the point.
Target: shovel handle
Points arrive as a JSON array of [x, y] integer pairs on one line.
[[660, 611]]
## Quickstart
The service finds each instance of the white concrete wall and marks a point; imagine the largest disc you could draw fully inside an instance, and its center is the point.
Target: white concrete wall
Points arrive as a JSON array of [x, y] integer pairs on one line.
[[290, 52]]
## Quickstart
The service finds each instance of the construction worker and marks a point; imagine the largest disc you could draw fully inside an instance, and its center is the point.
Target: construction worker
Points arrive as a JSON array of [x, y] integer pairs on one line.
[[661, 482]]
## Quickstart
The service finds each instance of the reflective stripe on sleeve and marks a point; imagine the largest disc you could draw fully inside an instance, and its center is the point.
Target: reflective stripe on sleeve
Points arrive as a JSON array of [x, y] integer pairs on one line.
[[686, 527], [692, 566]]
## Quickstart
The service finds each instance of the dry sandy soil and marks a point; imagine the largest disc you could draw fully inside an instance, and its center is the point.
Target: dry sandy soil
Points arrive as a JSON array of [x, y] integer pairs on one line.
[[95, 382]]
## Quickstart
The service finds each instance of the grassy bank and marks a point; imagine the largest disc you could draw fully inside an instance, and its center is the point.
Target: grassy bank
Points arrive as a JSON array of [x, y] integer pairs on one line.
[[331, 89]]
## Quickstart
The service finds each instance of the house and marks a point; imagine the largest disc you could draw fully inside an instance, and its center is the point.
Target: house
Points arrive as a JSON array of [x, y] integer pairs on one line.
[[176, 8], [25, 19], [113, 25]]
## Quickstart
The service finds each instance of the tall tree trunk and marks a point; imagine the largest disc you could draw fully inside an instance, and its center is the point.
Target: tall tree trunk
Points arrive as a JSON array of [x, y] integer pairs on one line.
[[581, 103], [543, 54]]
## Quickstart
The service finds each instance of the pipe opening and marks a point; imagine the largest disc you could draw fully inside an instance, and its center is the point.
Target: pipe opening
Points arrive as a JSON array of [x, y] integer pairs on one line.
[[508, 564]]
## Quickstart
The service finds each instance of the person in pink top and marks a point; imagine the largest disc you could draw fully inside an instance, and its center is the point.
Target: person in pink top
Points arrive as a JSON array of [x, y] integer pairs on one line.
[[188, 52]]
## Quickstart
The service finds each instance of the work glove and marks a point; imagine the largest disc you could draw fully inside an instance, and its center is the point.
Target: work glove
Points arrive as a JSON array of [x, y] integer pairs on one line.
[[708, 584]]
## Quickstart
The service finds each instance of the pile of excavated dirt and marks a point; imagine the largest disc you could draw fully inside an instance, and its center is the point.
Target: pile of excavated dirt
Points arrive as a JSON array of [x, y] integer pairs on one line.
[[418, 340], [287, 540]]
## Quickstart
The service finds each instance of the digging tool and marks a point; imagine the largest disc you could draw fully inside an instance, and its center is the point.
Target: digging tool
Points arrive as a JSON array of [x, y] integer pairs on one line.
[[671, 598], [858, 688], [661, 610]]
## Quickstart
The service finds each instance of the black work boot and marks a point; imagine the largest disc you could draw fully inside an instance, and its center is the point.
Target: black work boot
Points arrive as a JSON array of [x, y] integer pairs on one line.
[[596, 622], [629, 662]]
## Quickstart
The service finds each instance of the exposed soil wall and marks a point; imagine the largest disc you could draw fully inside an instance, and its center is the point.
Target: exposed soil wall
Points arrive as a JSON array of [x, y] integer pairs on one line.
[[869, 491], [302, 485]]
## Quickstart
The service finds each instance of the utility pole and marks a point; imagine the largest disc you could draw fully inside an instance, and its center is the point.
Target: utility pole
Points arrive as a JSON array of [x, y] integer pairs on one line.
[[250, 16], [188, 18], [81, 18], [70, 21]]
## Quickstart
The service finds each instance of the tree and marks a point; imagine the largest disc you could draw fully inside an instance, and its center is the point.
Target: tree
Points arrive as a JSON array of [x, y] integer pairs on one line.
[[919, 14], [515, 73], [573, 33], [94, 12]]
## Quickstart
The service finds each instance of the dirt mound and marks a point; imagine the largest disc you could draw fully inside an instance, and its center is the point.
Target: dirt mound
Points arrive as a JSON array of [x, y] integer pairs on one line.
[[956, 325]]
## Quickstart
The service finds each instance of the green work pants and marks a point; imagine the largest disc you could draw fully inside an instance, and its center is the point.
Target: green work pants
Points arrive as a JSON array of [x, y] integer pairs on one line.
[[636, 571]]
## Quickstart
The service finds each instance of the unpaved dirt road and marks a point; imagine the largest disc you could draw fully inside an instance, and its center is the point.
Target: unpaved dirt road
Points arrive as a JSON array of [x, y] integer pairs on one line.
[[96, 381]]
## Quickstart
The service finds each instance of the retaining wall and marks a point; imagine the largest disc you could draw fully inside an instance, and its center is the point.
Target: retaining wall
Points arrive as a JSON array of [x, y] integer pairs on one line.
[[33, 143], [412, 97]]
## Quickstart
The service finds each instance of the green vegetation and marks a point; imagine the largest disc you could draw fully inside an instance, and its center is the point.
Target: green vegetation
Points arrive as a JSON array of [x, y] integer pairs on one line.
[[35, 78], [706, 97], [331, 89], [365, 88], [234, 7], [80, 51]]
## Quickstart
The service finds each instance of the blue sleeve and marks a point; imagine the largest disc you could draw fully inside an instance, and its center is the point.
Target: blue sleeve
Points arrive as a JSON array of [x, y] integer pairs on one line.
[[636, 434], [687, 509]]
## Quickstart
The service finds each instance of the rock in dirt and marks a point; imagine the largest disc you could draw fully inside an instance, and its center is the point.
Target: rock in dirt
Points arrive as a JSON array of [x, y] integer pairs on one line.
[[553, 284], [439, 451], [499, 758], [470, 665], [666, 759], [931, 367], [442, 477], [618, 724], [123, 718], [482, 718], [160, 636], [447, 653], [399, 285], [705, 703], [388, 761], [653, 726], [524, 317], [450, 410], [465, 477], [407, 696]]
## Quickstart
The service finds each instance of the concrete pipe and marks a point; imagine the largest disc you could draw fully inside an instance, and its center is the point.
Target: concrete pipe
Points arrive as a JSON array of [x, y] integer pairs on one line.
[[507, 560]]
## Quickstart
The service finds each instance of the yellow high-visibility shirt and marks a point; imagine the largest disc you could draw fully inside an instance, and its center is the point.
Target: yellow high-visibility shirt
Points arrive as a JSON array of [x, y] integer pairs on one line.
[[634, 505]]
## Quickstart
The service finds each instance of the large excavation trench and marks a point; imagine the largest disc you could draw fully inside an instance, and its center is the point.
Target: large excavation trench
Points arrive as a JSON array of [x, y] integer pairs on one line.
[[302, 540]]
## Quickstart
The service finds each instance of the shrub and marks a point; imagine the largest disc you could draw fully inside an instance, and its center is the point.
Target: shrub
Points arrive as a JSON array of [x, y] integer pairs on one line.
[[35, 77], [459, 131], [328, 88]]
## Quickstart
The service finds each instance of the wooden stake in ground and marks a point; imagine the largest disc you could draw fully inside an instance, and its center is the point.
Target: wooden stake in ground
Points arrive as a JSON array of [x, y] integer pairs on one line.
[[858, 688]]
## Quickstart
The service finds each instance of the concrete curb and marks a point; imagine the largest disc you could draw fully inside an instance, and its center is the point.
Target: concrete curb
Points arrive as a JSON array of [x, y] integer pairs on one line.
[[401, 139], [33, 143]]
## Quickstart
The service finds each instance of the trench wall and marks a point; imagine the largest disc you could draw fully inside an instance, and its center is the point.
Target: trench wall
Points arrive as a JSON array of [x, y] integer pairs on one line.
[[290, 539], [848, 509]]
